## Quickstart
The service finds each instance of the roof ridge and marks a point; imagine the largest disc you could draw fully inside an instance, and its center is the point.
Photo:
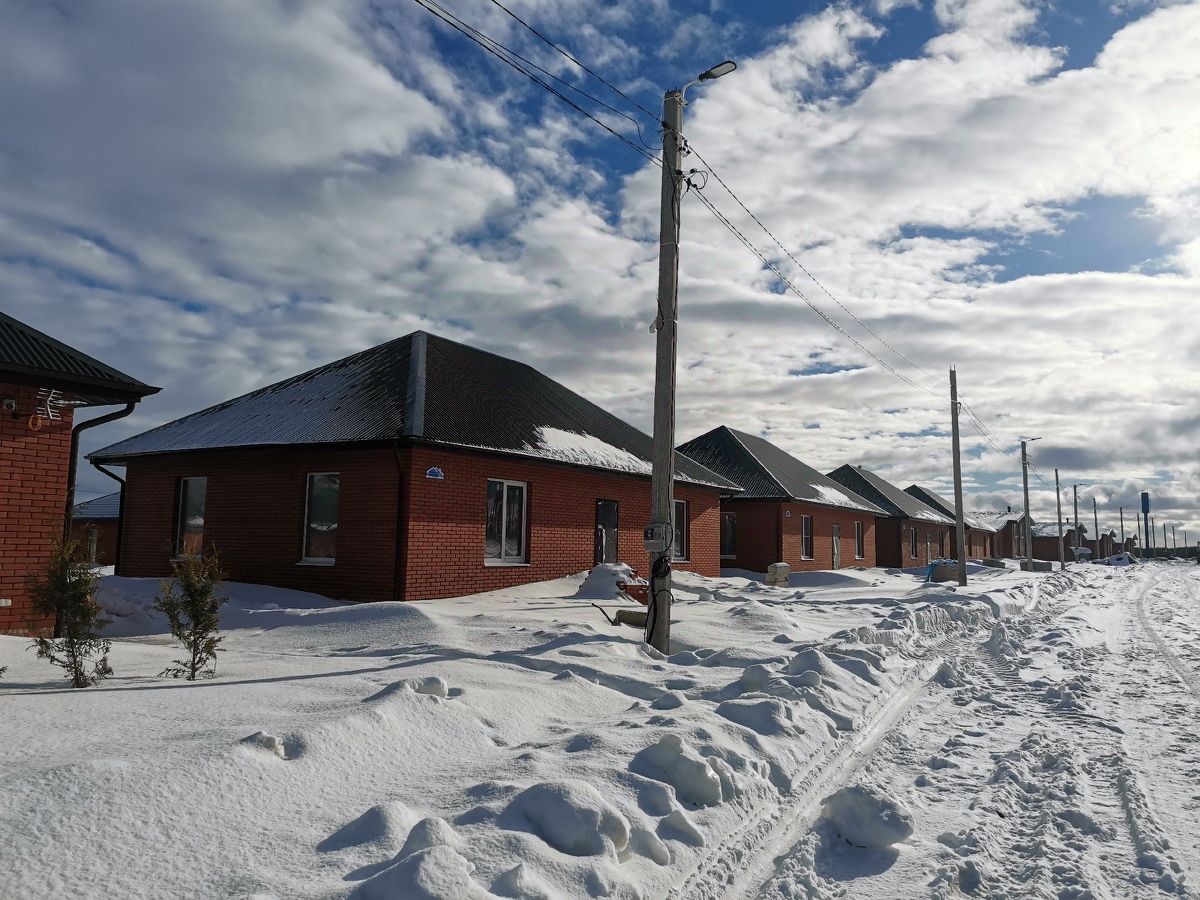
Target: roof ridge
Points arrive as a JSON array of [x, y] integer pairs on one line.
[[737, 437]]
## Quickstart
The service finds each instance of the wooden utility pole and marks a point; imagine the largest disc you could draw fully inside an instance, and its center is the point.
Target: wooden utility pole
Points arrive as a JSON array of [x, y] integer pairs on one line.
[[1062, 553], [960, 529], [660, 535], [1096, 522]]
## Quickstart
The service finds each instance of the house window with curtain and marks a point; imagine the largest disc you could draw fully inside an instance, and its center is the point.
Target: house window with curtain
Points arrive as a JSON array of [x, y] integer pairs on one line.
[[679, 546], [321, 518], [860, 545], [189, 526], [728, 535], [504, 529], [806, 537]]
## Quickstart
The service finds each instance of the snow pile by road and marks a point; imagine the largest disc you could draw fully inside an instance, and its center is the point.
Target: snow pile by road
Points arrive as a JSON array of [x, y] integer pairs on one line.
[[511, 744]]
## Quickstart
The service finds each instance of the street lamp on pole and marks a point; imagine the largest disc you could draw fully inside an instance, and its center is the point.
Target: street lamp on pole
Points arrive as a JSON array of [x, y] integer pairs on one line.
[[659, 535]]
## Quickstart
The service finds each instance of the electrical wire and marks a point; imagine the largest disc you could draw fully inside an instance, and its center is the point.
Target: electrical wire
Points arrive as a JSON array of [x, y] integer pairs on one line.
[[738, 200], [498, 50], [612, 87]]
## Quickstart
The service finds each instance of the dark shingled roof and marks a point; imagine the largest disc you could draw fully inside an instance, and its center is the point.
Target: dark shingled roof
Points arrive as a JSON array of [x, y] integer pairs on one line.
[[942, 505], [32, 357], [887, 495], [419, 387], [106, 507], [767, 473]]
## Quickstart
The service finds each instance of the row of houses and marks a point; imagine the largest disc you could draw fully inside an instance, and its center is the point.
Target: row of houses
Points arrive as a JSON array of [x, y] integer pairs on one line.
[[426, 468]]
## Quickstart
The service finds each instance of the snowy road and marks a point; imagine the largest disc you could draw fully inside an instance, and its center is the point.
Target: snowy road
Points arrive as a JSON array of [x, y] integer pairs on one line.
[[1031, 735], [1057, 759]]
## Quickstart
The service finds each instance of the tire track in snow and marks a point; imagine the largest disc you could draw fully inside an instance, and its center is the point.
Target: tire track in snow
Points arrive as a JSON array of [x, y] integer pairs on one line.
[[1185, 673]]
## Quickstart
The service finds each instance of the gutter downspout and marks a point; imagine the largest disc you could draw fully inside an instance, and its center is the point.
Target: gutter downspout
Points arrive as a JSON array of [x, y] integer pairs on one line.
[[99, 467], [72, 471]]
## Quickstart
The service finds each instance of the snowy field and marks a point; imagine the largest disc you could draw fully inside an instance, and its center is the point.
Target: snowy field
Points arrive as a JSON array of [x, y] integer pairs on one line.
[[857, 734]]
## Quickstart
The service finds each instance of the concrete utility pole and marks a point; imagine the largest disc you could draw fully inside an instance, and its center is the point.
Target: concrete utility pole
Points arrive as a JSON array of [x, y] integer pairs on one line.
[[1122, 511], [1146, 532], [1075, 490], [1096, 522], [1153, 538], [1062, 553], [659, 536], [960, 528], [1025, 485], [1165, 544], [1174, 543]]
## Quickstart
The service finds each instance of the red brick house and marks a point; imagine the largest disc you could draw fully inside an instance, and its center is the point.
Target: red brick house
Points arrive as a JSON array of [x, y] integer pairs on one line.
[[1009, 541], [909, 533], [786, 511], [94, 525], [43, 382], [978, 534], [417, 469], [1045, 541]]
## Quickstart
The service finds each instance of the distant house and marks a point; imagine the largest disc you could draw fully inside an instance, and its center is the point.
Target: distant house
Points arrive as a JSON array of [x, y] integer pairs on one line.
[[417, 469], [1045, 541], [1009, 541], [978, 534], [786, 511], [911, 533], [94, 525], [42, 383]]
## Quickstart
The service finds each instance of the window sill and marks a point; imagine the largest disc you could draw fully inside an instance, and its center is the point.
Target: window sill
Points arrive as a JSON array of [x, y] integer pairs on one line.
[[504, 563], [316, 562], [860, 557], [731, 556]]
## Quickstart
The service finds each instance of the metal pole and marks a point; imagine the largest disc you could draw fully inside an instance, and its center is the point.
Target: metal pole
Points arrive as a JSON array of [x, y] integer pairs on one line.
[[1153, 532], [1028, 530], [1096, 522], [1165, 544], [960, 528], [660, 535], [1062, 552], [1075, 540], [1174, 543]]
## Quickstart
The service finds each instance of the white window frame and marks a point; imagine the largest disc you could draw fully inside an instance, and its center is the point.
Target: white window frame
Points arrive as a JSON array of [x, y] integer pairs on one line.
[[179, 523], [732, 515], [912, 542], [504, 486], [807, 544], [676, 555], [316, 560], [860, 540]]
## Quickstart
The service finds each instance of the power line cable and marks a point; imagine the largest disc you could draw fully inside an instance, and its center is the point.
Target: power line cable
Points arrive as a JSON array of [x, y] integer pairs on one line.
[[612, 87], [494, 47]]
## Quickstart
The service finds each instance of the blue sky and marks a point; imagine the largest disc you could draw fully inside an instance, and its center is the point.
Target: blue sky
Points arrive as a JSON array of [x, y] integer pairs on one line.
[[217, 195]]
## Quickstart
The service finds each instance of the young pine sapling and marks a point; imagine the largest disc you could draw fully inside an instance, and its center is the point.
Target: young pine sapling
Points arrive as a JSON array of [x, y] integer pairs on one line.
[[192, 602], [66, 590]]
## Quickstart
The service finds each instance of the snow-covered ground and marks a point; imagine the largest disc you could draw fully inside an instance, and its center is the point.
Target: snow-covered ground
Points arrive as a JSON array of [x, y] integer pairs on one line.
[[857, 734]]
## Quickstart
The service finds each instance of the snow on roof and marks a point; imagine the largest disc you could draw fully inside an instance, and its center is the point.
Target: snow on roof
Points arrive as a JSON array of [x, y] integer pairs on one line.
[[886, 495], [997, 520], [419, 387], [942, 505]]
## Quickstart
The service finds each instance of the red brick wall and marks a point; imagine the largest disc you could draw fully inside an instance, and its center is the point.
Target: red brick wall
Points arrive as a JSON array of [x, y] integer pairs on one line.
[[254, 516], [757, 531], [33, 496], [444, 556], [824, 518], [893, 544], [106, 538]]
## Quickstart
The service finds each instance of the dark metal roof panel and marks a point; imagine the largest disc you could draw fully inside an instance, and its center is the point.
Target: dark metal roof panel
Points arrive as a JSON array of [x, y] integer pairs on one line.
[[106, 507], [423, 387], [768, 473], [942, 505], [886, 495], [28, 352]]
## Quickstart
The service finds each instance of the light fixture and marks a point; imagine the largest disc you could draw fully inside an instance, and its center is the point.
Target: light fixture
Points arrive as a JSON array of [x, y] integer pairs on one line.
[[718, 70]]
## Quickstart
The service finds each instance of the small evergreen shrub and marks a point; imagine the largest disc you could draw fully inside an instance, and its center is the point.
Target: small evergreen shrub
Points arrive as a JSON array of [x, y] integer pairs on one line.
[[192, 602], [66, 589]]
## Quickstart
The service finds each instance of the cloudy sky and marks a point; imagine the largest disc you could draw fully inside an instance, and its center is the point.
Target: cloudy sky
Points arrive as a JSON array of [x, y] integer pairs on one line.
[[216, 195]]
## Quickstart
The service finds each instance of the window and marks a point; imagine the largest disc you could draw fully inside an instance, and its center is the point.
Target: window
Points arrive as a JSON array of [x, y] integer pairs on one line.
[[189, 527], [504, 531], [941, 545], [728, 535], [912, 543], [93, 534], [321, 517], [806, 537], [679, 547], [860, 546]]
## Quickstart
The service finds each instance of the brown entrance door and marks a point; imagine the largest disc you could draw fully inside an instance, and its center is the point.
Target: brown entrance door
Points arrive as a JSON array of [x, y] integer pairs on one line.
[[837, 546], [606, 531]]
